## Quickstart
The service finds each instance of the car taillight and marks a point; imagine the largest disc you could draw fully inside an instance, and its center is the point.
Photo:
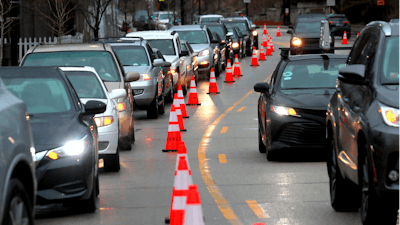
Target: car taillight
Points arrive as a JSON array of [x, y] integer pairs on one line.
[[330, 22], [104, 120], [121, 106], [146, 77], [346, 22]]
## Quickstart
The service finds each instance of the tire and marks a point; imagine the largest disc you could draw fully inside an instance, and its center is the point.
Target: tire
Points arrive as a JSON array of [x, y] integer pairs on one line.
[[89, 205], [97, 186], [343, 193], [111, 162], [16, 197], [152, 111], [170, 97], [261, 147], [161, 107]]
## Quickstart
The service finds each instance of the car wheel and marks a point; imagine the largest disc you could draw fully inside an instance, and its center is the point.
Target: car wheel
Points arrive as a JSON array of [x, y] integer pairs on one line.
[[18, 209], [89, 205], [161, 107], [97, 186], [343, 193], [152, 111], [261, 147], [111, 162], [170, 96]]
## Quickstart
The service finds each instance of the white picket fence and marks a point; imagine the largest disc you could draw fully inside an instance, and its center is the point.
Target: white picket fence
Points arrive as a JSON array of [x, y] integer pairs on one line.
[[25, 43]]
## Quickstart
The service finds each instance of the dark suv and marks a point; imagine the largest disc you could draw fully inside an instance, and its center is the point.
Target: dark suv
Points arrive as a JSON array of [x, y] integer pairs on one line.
[[339, 24], [243, 26], [363, 127]]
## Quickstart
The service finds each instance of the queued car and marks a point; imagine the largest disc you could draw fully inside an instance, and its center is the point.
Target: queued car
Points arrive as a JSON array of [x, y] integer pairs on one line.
[[89, 86], [363, 128], [292, 104], [169, 44], [64, 132], [168, 82], [238, 45], [253, 30], [201, 40], [101, 57], [17, 169], [136, 55], [192, 63], [221, 48], [339, 24], [243, 26], [305, 35], [210, 18], [142, 20], [163, 19], [222, 31]]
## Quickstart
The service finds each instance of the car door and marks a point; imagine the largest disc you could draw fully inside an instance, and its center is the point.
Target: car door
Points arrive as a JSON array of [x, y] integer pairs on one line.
[[165, 69], [188, 59], [156, 72]]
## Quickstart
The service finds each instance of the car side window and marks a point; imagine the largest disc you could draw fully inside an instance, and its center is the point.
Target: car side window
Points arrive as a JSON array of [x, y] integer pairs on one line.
[[151, 53], [359, 53]]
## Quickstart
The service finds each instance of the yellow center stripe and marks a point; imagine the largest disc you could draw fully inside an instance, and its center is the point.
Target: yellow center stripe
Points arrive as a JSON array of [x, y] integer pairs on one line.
[[223, 130], [257, 209], [222, 158], [241, 109]]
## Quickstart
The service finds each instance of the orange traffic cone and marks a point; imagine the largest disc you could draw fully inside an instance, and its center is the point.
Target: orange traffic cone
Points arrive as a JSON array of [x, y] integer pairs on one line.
[[264, 44], [236, 70], [261, 57], [265, 29], [228, 73], [344, 40], [212, 88], [254, 61], [181, 152], [357, 34], [193, 99], [182, 102], [174, 135], [178, 113], [271, 44], [193, 211], [278, 32], [269, 50]]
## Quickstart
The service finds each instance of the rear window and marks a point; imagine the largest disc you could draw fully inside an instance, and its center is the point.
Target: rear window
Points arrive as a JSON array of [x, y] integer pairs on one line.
[[194, 37], [102, 62], [241, 25], [166, 46], [233, 32], [308, 27], [131, 55], [390, 65], [86, 84]]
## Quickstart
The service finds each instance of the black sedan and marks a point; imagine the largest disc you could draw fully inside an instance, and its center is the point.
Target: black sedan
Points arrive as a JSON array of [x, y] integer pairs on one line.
[[339, 24], [243, 26], [64, 133], [238, 45], [292, 104]]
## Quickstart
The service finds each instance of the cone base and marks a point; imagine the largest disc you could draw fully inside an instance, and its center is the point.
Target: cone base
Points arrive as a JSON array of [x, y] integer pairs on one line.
[[194, 104], [183, 130], [229, 81], [169, 150], [167, 220], [213, 93], [185, 117], [238, 75]]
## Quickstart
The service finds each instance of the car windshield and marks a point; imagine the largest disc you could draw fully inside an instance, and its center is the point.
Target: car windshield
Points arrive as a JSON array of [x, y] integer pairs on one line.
[[131, 55], [166, 46], [85, 84], [219, 30], [42, 95], [311, 74], [233, 32], [390, 65], [193, 37], [241, 25], [102, 62], [308, 27], [209, 19], [166, 16]]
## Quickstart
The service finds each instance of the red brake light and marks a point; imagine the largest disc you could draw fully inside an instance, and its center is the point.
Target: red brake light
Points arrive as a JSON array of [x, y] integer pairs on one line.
[[346, 22], [330, 22]]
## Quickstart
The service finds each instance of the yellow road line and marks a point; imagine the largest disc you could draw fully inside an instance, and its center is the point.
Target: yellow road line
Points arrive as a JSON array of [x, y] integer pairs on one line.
[[241, 109], [223, 205], [223, 130], [257, 209], [222, 158], [284, 44]]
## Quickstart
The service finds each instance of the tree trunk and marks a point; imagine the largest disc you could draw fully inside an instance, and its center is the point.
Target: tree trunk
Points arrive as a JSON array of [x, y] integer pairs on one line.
[[2, 43], [96, 32]]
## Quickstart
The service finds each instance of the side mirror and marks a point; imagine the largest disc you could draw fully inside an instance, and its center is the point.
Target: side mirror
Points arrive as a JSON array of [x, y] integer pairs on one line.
[[167, 64], [229, 34], [183, 53], [354, 74], [158, 62], [261, 87], [253, 26], [118, 93], [94, 107], [132, 76], [290, 31]]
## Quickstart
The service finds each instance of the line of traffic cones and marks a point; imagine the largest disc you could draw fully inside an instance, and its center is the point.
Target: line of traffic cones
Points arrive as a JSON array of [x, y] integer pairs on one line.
[[193, 98], [228, 73], [236, 70]]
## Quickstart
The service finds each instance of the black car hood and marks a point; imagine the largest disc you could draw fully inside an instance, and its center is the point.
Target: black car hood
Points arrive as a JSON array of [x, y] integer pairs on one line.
[[52, 132], [306, 35], [316, 99], [388, 95]]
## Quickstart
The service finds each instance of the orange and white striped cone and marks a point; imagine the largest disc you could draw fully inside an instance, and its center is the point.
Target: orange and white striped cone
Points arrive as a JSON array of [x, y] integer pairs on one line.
[[181, 152], [182, 102], [265, 29], [358, 33], [262, 55], [254, 60], [228, 73], [278, 32], [212, 88], [193, 211], [174, 135], [193, 98], [269, 51], [264, 43], [271, 43], [178, 112], [344, 40], [236, 70]]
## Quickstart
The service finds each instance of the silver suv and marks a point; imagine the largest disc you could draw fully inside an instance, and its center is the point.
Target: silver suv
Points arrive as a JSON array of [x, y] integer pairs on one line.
[[17, 170]]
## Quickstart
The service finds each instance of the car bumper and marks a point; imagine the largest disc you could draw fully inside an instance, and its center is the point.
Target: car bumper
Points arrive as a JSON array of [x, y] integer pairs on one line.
[[144, 99], [108, 140]]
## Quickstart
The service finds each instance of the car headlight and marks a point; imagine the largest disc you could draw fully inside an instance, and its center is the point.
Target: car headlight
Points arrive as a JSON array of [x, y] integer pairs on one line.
[[296, 41], [255, 33], [390, 115], [204, 52], [71, 148], [235, 45], [284, 111]]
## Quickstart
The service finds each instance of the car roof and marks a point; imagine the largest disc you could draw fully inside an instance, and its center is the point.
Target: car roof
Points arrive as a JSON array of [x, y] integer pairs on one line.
[[78, 68], [188, 27], [336, 15], [390, 29], [316, 56], [233, 18], [30, 71], [71, 47], [154, 34], [210, 15]]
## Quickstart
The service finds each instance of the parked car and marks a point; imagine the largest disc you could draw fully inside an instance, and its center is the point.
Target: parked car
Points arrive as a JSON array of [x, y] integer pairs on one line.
[[222, 31], [339, 24], [89, 86], [210, 18], [201, 40], [238, 45], [192, 63], [64, 132], [243, 26], [169, 44], [168, 83], [17, 169], [363, 128], [142, 21], [101, 57]]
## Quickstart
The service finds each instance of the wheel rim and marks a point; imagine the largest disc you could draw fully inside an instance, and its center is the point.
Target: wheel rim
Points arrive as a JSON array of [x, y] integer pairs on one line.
[[333, 176], [17, 212], [365, 190]]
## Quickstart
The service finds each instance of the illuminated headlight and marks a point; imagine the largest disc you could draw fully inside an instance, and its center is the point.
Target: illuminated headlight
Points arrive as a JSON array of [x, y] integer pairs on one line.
[[204, 52], [71, 148], [390, 115], [235, 45], [284, 111], [255, 33], [296, 41]]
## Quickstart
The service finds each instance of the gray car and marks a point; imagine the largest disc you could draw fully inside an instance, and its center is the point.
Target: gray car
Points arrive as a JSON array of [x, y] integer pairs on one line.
[[17, 170]]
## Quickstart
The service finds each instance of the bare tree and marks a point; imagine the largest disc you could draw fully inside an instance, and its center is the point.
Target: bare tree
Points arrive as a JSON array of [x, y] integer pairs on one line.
[[61, 11], [93, 11], [5, 24]]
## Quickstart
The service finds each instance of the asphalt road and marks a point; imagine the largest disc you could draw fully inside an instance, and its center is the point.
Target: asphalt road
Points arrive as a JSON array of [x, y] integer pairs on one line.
[[237, 184]]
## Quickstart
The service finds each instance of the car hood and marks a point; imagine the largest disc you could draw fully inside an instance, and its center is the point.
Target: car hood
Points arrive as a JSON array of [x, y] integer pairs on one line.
[[54, 131], [306, 35], [199, 47], [140, 69], [388, 95], [317, 99], [171, 58]]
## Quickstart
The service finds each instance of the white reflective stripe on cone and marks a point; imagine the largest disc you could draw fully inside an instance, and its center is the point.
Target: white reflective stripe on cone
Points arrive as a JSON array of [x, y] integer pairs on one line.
[[173, 127], [173, 117], [193, 90], [179, 202], [194, 215], [182, 180]]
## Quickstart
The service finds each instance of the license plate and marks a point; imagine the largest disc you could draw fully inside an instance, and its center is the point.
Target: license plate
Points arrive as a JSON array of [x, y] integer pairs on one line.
[[101, 163]]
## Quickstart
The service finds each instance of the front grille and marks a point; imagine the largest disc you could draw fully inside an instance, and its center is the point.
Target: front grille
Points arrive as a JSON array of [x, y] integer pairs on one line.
[[303, 134], [103, 145], [304, 112]]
